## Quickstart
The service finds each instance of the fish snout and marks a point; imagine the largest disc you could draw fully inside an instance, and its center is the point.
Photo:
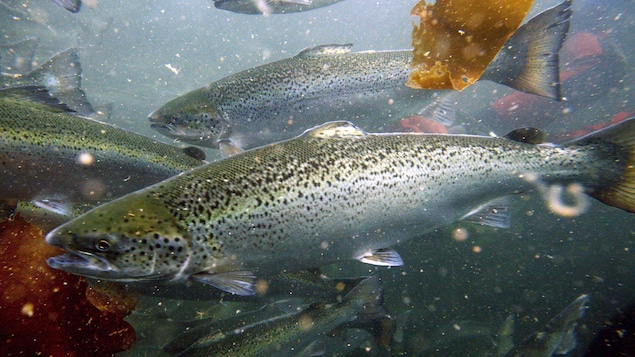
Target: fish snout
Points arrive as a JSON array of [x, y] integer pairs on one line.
[[58, 238], [155, 117]]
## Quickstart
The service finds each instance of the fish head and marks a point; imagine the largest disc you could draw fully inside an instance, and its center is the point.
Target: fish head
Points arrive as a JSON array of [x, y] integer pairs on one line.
[[191, 118], [129, 239]]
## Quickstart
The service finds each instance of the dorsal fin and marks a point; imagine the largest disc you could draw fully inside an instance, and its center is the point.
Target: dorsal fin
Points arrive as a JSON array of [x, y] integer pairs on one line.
[[527, 135], [335, 129], [325, 50], [39, 96]]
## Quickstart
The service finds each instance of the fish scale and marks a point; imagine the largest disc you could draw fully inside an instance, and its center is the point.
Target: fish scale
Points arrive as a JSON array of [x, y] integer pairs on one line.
[[333, 193]]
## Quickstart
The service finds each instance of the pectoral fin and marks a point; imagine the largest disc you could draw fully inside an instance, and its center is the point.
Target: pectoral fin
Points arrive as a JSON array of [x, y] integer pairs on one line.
[[383, 257], [235, 282], [495, 213]]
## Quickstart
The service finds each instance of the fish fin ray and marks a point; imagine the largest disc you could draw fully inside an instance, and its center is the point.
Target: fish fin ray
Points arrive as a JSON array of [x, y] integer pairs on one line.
[[620, 194], [325, 50], [62, 75], [495, 213], [441, 110], [382, 257], [235, 282], [540, 39], [335, 129]]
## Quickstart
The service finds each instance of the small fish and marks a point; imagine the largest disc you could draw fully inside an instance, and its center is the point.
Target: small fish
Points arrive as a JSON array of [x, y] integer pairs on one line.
[[48, 154], [557, 337], [266, 7], [287, 334], [331, 194], [61, 75], [280, 100]]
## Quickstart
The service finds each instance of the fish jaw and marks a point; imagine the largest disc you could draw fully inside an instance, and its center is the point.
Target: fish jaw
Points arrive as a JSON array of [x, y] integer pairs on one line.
[[82, 263]]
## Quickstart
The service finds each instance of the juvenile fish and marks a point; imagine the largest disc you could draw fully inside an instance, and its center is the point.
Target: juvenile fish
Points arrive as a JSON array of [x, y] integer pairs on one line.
[[331, 194]]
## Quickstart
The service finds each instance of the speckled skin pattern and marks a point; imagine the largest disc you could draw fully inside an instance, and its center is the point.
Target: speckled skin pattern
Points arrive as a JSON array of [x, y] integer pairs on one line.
[[280, 100], [39, 153], [317, 199]]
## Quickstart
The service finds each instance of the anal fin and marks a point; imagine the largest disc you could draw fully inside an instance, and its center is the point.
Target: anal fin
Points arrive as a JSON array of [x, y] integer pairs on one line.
[[235, 282], [382, 257]]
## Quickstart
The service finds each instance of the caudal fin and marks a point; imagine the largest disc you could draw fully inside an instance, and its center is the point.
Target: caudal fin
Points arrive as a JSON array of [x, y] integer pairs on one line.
[[529, 60], [62, 76], [620, 194]]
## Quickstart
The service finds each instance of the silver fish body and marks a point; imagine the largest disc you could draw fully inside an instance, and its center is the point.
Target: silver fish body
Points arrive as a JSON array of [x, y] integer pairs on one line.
[[257, 7], [334, 193], [280, 100], [47, 153]]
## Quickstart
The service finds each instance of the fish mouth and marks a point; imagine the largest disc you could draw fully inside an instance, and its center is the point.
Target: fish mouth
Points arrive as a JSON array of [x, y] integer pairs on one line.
[[81, 263], [167, 129]]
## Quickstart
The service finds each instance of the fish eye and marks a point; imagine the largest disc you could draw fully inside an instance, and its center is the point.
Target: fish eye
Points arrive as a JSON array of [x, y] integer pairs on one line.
[[174, 120], [102, 245]]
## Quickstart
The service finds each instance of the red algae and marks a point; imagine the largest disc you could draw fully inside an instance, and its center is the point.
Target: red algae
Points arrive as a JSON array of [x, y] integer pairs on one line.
[[46, 312]]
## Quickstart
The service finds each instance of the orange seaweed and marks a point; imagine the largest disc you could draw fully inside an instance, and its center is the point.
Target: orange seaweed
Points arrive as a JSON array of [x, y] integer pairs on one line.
[[457, 39], [45, 311]]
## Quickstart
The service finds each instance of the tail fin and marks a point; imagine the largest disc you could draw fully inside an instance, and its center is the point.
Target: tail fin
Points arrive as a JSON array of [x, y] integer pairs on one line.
[[369, 296], [61, 75], [566, 322], [620, 194], [372, 316], [529, 60]]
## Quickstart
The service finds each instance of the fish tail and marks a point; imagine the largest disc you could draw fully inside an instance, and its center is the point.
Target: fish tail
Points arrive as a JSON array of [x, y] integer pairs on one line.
[[373, 316], [529, 60], [66, 69], [619, 193]]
